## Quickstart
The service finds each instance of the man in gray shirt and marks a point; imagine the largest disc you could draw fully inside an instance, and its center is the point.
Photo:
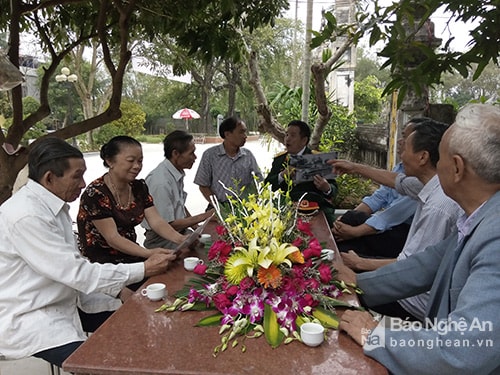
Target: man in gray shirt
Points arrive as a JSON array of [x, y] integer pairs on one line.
[[166, 185], [229, 163]]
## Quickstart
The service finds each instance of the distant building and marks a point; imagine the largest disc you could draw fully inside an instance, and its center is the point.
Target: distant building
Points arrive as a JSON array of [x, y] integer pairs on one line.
[[28, 65], [341, 80]]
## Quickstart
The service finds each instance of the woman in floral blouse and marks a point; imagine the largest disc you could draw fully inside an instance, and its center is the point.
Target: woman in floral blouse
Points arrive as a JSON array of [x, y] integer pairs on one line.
[[110, 208], [112, 205]]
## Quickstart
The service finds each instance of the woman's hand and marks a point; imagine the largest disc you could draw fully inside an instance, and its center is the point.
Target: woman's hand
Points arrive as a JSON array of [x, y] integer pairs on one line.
[[171, 255]]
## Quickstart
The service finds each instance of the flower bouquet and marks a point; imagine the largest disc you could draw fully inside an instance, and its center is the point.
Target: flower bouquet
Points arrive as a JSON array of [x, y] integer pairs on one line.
[[265, 274]]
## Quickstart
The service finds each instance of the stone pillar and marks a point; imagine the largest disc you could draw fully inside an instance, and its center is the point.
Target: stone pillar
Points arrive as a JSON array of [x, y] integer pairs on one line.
[[413, 105]]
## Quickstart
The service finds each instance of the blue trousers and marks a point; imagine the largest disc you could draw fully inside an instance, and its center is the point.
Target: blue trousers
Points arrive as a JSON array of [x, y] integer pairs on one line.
[[58, 355]]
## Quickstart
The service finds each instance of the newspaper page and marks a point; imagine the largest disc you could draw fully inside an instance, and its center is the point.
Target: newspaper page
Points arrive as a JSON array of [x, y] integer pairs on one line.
[[309, 165]]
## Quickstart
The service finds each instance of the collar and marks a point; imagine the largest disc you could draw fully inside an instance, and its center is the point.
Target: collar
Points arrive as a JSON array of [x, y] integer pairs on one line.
[[429, 188], [52, 201], [178, 175], [222, 151], [302, 152], [464, 223]]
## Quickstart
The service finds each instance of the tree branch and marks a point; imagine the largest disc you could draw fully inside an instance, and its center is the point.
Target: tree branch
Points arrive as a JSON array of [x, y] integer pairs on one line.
[[267, 122]]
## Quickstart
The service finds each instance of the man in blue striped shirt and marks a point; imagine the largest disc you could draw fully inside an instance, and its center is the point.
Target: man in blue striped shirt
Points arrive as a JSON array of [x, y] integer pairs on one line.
[[228, 165]]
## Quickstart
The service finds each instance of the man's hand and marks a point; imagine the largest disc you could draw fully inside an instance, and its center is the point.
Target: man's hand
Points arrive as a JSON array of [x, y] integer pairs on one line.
[[341, 167], [342, 231], [352, 260], [344, 273], [357, 324], [125, 294], [288, 173], [321, 183], [208, 213], [156, 264]]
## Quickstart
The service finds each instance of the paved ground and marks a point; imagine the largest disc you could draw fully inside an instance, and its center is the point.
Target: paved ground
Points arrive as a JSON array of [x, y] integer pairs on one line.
[[196, 203]]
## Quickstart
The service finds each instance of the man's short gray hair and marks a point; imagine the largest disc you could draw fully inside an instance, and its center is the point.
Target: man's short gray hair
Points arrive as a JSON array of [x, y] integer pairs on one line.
[[475, 136]]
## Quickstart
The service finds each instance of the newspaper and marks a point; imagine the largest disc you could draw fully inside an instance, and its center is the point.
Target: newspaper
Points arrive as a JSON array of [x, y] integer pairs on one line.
[[193, 236], [308, 165]]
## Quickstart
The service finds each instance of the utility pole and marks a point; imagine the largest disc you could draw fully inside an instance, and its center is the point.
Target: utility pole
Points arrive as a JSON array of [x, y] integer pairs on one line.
[[306, 81]]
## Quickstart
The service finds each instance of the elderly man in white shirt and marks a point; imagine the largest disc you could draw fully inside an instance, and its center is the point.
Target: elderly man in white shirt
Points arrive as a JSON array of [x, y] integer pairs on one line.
[[43, 274]]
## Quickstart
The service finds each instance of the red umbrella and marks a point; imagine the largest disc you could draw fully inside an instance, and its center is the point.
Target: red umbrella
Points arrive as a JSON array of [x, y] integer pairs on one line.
[[186, 114]]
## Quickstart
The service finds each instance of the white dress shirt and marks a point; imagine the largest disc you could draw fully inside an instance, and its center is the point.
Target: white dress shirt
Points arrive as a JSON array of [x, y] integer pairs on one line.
[[43, 274]]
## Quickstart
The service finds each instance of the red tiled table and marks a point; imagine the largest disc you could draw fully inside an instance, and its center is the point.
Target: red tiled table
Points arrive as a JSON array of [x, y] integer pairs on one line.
[[136, 340]]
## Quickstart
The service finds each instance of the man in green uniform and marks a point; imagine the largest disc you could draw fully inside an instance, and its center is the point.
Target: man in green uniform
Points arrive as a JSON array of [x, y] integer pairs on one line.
[[319, 190]]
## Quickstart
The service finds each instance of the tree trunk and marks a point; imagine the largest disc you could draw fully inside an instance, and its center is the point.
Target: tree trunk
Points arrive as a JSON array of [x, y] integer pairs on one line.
[[233, 79], [204, 80], [10, 165], [267, 122]]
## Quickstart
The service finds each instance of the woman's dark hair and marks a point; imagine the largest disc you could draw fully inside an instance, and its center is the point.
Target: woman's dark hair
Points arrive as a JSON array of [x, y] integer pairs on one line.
[[228, 125], [113, 147], [50, 154], [177, 140]]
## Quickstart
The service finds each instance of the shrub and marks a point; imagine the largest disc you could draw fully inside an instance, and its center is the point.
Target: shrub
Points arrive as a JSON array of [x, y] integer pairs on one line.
[[351, 190]]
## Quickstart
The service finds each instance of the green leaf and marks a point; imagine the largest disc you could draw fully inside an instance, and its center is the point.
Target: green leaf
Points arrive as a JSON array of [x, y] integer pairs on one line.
[[201, 306], [375, 35], [271, 327], [333, 302], [211, 320], [327, 318]]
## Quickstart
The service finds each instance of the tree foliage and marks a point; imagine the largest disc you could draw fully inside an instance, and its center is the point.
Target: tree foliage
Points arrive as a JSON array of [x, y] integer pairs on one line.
[[404, 28], [131, 123], [204, 28], [458, 91], [367, 100], [366, 65]]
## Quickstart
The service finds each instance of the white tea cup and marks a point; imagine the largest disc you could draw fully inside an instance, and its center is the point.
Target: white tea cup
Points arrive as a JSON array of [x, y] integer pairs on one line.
[[328, 254], [205, 238], [155, 292], [312, 334], [191, 262]]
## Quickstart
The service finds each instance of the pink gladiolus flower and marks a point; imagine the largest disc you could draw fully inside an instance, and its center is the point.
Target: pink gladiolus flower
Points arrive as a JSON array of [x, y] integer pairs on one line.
[[325, 273], [314, 249], [221, 301], [299, 284], [308, 300], [316, 246], [219, 250], [221, 231], [304, 227], [313, 284], [307, 253], [200, 269], [287, 284], [232, 290], [297, 242], [247, 283]]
